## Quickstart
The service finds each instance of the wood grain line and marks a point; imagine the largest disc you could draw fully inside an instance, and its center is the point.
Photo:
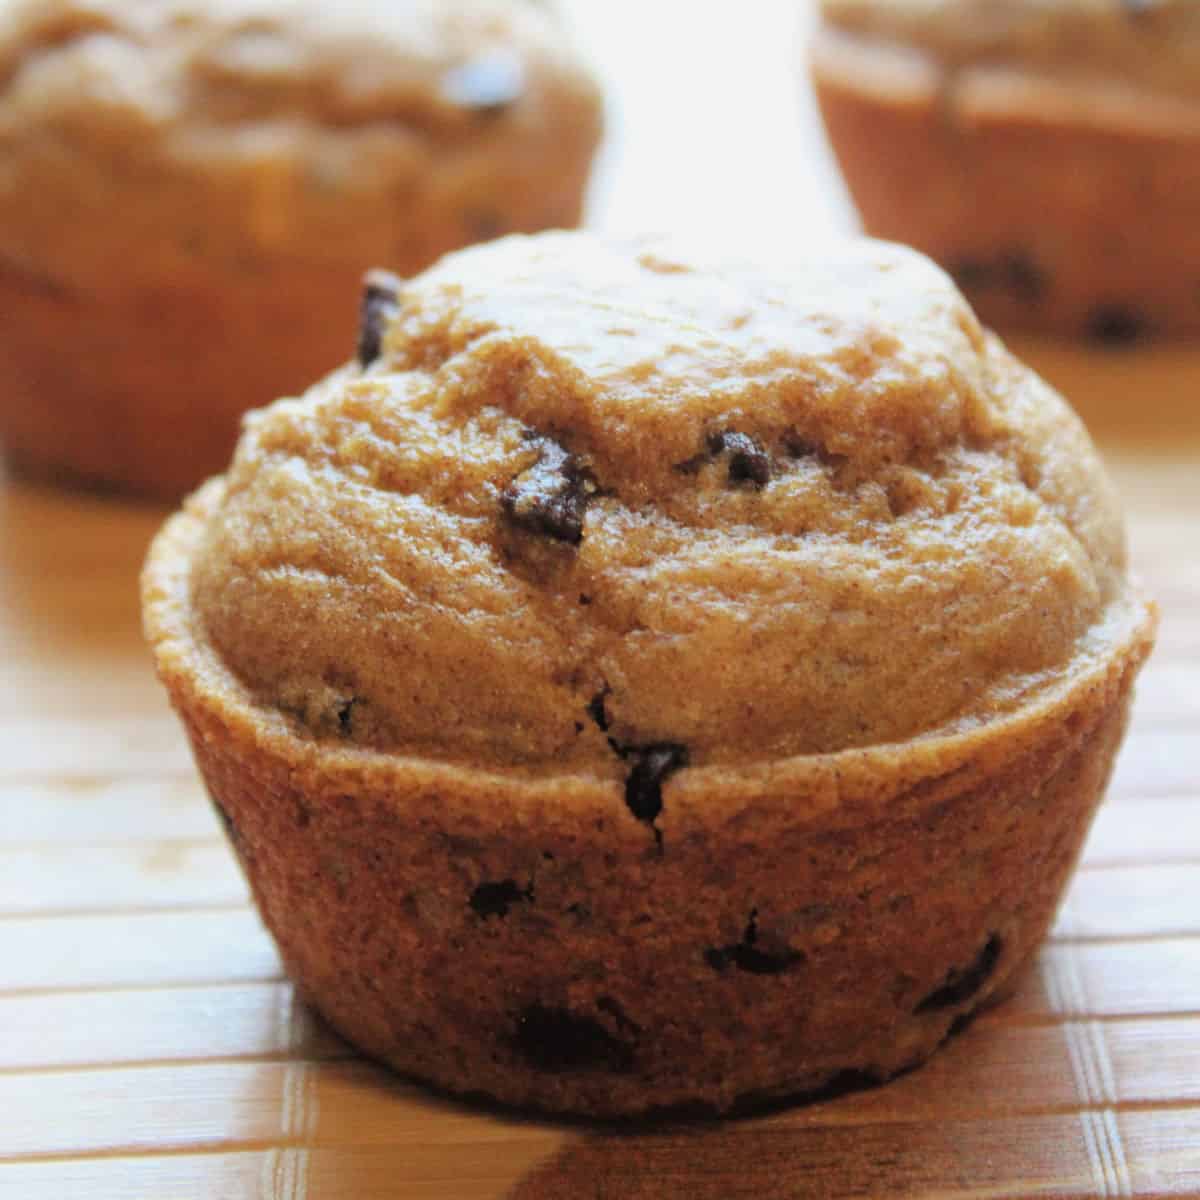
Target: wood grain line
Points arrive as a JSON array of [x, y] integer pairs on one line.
[[287, 1171], [1106, 1152], [1090, 1064]]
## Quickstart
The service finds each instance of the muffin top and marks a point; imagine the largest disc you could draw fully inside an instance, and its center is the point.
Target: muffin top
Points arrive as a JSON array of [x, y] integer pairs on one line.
[[1152, 43], [582, 497], [258, 126]]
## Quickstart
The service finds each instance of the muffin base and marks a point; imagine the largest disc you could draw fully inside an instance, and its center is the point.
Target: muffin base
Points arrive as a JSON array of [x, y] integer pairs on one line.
[[1054, 208], [523, 936]]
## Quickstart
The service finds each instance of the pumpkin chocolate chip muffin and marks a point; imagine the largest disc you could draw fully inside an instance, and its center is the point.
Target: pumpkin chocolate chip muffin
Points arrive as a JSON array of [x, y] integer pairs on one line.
[[1046, 152], [190, 191], [647, 679]]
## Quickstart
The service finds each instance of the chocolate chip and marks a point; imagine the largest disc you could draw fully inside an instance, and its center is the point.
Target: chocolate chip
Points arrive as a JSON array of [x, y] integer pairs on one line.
[[748, 956], [972, 274], [651, 766], [692, 465], [483, 225], [1016, 272], [380, 303], [1025, 279], [345, 716], [1136, 9], [962, 985], [748, 461], [1114, 325], [550, 497], [487, 84], [596, 709], [606, 1004], [553, 1039], [799, 447], [495, 899]]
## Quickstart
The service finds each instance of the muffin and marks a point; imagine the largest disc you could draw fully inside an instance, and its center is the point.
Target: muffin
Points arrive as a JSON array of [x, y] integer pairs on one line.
[[1046, 152], [190, 192], [649, 679]]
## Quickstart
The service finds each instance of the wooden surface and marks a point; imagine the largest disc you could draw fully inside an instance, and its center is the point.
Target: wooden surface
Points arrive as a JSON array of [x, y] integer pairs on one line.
[[149, 1046]]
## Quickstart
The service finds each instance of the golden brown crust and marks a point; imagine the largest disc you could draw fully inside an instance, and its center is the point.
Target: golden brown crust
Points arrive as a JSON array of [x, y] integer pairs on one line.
[[281, 148], [1057, 204], [529, 938], [592, 504]]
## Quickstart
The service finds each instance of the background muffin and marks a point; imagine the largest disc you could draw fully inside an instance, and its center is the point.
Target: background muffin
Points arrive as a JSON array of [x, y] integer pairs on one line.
[[1047, 154], [189, 193], [651, 678]]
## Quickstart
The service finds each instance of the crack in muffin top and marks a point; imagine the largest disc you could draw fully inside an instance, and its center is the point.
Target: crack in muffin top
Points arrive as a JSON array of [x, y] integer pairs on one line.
[[1152, 43], [596, 497]]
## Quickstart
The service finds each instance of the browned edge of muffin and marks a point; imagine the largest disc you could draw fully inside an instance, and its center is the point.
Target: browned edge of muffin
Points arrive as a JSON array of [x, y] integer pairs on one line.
[[522, 936]]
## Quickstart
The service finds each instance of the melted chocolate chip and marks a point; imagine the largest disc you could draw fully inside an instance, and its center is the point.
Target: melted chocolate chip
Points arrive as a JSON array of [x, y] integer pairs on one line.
[[345, 717], [553, 1039], [651, 766], [748, 956], [972, 274], [606, 1004], [550, 497], [483, 225], [799, 447], [487, 84], [1016, 272], [380, 304], [596, 709], [1025, 279], [748, 461], [495, 899], [1113, 325], [962, 985]]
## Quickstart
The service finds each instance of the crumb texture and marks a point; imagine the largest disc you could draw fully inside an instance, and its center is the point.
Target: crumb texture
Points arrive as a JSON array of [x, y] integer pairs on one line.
[[593, 499]]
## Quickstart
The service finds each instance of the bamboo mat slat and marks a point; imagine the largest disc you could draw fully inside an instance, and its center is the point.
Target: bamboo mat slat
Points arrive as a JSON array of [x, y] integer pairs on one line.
[[1002, 1070], [134, 950], [52, 1030]]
